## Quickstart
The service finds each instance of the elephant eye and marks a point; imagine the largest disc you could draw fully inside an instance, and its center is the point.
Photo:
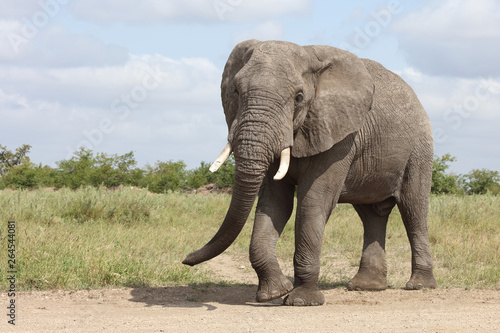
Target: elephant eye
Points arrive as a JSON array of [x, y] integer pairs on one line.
[[299, 98]]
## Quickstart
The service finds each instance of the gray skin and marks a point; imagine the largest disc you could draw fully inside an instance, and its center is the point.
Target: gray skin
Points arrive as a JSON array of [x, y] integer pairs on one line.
[[358, 135]]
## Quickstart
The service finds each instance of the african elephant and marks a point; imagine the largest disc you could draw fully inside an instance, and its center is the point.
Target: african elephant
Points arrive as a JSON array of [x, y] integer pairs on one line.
[[338, 128]]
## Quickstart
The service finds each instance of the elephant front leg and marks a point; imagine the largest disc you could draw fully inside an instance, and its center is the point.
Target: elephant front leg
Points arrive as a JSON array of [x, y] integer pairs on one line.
[[273, 211], [312, 214], [308, 240], [318, 193]]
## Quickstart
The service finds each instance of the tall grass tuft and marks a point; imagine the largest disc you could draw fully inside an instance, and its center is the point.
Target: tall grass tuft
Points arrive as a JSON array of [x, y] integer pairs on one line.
[[94, 238]]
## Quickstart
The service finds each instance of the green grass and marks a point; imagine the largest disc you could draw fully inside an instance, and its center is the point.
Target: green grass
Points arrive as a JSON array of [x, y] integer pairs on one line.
[[93, 238]]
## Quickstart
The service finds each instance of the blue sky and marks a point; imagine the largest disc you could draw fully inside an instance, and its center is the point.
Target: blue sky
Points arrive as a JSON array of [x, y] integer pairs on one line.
[[117, 76]]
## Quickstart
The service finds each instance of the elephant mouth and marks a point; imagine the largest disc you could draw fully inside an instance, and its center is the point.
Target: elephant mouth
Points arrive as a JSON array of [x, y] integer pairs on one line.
[[282, 170]]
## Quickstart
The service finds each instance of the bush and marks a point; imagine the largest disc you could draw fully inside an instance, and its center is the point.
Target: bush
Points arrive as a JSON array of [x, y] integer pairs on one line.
[[20, 176], [85, 169], [223, 178], [442, 182], [9, 159], [164, 176], [481, 181]]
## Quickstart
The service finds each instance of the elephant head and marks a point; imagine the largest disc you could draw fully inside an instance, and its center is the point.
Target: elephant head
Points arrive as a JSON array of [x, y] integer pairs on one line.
[[280, 97]]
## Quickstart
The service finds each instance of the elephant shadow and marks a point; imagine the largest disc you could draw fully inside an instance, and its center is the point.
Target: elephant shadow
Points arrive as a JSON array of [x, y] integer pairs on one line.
[[206, 295], [198, 296]]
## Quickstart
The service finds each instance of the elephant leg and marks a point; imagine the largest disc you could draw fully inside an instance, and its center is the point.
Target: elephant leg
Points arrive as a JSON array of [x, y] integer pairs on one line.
[[372, 273], [413, 204], [319, 188], [273, 211], [315, 205], [309, 228]]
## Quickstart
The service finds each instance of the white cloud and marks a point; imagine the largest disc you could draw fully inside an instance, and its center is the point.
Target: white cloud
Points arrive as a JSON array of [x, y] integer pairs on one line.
[[25, 9], [453, 37], [442, 95], [55, 46], [264, 31], [154, 11], [7, 29], [464, 113], [151, 100], [99, 86]]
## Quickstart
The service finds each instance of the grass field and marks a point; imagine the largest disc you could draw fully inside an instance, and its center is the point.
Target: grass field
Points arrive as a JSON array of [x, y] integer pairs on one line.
[[93, 238]]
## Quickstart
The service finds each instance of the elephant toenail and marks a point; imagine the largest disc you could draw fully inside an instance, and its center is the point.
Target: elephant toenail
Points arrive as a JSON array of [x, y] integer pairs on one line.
[[299, 302], [262, 297]]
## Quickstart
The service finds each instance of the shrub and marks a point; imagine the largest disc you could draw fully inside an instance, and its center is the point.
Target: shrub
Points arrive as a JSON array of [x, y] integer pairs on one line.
[[223, 178], [88, 169], [85, 169], [443, 182], [481, 181], [164, 176], [8, 159]]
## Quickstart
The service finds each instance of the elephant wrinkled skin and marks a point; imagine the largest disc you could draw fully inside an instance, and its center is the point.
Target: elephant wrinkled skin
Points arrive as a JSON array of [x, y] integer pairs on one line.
[[357, 134]]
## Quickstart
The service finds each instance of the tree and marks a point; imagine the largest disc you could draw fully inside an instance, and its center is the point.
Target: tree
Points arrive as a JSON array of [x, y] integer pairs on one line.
[[84, 169], [8, 159], [223, 178], [443, 182], [165, 176], [113, 170], [480, 181], [20, 176], [199, 177], [75, 172]]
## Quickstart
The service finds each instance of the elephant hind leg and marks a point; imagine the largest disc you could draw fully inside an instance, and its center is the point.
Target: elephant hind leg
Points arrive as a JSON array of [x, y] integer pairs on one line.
[[413, 204], [372, 273]]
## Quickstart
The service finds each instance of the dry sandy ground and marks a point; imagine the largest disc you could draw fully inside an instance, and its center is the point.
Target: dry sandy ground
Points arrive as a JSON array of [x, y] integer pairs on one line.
[[233, 309]]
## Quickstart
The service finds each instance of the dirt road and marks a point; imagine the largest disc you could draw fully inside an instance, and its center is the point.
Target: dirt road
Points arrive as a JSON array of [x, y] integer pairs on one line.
[[233, 309]]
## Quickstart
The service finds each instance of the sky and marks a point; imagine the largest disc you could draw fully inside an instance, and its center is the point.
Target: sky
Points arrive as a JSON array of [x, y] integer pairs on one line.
[[144, 76]]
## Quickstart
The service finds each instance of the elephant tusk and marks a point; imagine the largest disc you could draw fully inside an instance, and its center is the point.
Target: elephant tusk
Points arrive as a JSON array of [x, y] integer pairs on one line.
[[221, 159], [284, 164]]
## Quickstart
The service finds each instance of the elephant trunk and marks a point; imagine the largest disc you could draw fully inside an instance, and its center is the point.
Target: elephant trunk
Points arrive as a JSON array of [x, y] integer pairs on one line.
[[249, 174], [256, 140]]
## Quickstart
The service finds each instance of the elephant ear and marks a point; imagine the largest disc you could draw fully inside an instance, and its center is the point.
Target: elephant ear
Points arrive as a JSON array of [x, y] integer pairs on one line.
[[237, 59], [344, 93]]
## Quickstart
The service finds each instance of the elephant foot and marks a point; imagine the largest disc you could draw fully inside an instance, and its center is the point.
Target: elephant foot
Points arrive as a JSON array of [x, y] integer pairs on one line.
[[421, 279], [368, 279], [301, 296], [272, 288]]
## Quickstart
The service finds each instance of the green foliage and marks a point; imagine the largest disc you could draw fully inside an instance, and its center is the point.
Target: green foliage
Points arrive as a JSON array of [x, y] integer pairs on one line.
[[85, 169], [16, 168], [475, 182], [88, 169], [8, 159], [21, 175], [442, 182], [481, 181], [223, 178], [165, 176]]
